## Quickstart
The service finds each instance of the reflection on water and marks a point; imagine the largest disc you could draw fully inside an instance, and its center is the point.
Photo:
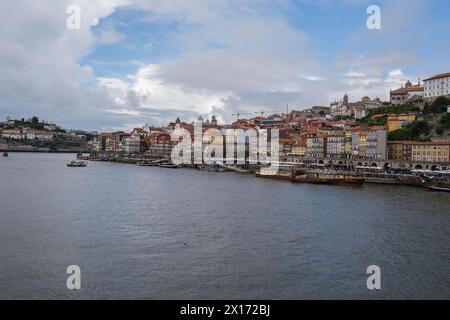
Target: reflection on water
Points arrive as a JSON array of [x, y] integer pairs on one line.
[[144, 232]]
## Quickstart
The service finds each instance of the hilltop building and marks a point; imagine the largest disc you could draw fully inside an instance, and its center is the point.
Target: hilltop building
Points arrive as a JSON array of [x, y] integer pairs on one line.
[[357, 110], [407, 93], [438, 85]]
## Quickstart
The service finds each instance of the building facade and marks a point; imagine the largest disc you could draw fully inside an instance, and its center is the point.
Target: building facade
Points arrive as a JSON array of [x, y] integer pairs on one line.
[[376, 143], [438, 85], [418, 151], [407, 93], [397, 121]]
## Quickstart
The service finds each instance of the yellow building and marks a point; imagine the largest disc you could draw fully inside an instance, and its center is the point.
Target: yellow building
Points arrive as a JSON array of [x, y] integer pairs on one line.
[[299, 149], [395, 150], [430, 151], [363, 144], [397, 121]]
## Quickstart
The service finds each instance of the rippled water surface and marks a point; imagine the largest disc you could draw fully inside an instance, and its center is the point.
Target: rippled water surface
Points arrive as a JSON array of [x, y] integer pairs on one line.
[[147, 233]]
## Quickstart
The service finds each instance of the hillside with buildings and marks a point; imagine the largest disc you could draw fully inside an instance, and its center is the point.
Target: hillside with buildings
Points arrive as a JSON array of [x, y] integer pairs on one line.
[[412, 130], [35, 135], [366, 132]]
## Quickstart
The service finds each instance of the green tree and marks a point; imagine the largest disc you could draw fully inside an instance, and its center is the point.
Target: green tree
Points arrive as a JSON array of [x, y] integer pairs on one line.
[[445, 121], [414, 131], [438, 106]]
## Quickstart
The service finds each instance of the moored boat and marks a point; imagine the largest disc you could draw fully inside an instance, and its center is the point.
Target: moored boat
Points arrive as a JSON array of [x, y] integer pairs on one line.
[[337, 179], [147, 163], [168, 165], [5, 154], [77, 164], [270, 173], [436, 184]]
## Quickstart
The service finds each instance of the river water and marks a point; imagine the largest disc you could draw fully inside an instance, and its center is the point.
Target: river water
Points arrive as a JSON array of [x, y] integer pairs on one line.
[[153, 233]]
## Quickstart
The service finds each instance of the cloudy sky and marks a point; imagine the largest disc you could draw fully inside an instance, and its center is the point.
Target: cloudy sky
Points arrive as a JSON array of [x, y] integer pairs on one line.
[[148, 61]]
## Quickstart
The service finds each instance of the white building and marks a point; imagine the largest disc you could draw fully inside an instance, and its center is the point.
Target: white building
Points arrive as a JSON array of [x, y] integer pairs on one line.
[[50, 127], [438, 85], [133, 144], [371, 104], [12, 134], [377, 143], [406, 93], [341, 108], [31, 134]]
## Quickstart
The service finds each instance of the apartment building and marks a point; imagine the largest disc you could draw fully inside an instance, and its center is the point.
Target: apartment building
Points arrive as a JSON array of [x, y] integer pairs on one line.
[[438, 85]]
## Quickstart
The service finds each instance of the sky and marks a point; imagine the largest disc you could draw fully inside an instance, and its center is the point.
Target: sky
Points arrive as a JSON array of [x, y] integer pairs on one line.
[[137, 62]]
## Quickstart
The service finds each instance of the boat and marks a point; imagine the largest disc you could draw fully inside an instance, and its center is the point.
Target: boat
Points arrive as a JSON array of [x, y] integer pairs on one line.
[[5, 154], [81, 157], [270, 173], [147, 163], [236, 169], [338, 179], [77, 164], [168, 165], [436, 184]]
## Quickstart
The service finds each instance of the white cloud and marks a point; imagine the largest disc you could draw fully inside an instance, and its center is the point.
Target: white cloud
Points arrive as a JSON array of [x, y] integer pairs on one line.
[[39, 70], [107, 34], [233, 56], [353, 73]]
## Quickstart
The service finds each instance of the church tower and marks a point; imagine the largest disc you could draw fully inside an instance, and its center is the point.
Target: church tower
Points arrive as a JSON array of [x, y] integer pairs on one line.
[[345, 99]]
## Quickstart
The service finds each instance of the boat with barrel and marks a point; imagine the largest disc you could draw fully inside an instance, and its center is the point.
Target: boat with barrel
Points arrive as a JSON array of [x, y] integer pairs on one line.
[[77, 164]]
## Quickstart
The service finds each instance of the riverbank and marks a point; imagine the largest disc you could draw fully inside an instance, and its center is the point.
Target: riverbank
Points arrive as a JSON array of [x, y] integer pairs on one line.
[[370, 178], [42, 151]]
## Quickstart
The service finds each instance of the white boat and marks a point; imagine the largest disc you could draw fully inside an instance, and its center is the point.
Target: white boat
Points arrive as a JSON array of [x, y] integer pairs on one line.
[[77, 164], [168, 165]]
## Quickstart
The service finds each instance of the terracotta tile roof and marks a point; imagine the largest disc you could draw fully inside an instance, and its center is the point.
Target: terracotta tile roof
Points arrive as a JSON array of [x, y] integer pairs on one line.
[[376, 128], [376, 116], [438, 76], [408, 89]]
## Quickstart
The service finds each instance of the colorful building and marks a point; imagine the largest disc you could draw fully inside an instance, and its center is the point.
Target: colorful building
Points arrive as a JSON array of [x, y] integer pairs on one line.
[[397, 121], [430, 151], [438, 151]]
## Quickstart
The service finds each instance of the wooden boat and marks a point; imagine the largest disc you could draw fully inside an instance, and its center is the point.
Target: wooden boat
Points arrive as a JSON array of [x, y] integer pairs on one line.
[[168, 165], [147, 163], [236, 169], [269, 173], [436, 184], [74, 164], [329, 179]]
